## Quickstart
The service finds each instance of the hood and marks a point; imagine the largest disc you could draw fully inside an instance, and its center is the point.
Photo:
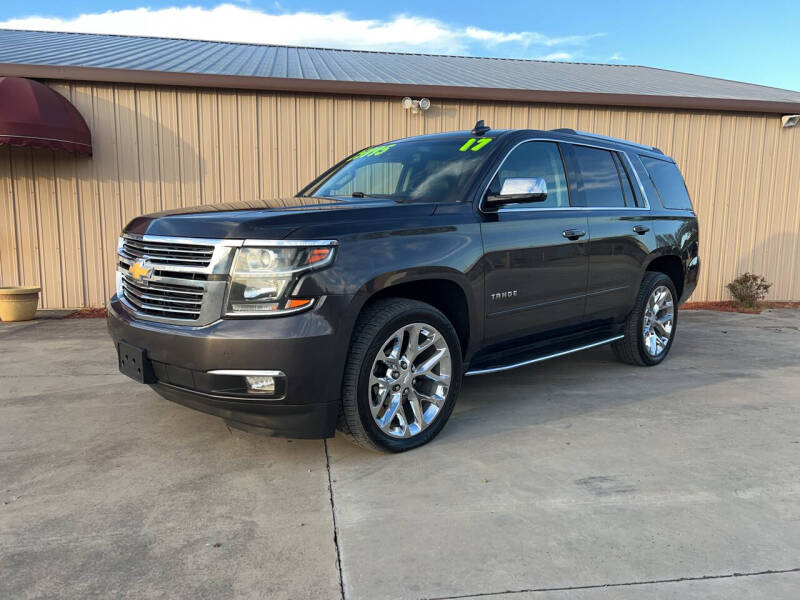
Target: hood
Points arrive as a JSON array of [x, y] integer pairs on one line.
[[273, 219]]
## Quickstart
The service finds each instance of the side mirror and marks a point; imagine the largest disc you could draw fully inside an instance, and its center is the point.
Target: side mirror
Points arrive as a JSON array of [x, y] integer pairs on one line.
[[520, 189]]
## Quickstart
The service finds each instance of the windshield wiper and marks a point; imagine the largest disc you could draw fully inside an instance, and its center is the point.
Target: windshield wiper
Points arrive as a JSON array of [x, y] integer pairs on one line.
[[357, 195], [363, 195]]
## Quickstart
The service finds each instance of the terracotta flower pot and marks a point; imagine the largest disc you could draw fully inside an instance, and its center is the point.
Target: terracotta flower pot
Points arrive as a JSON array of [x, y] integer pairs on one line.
[[18, 303]]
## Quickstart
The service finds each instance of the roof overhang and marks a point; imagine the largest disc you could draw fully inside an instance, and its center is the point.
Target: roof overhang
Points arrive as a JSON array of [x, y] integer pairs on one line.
[[322, 86]]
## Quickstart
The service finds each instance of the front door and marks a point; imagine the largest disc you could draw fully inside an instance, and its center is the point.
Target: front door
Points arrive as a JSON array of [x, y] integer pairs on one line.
[[536, 261]]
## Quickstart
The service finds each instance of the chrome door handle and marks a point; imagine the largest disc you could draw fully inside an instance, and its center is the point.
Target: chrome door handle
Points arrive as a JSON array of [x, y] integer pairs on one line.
[[640, 229], [573, 234]]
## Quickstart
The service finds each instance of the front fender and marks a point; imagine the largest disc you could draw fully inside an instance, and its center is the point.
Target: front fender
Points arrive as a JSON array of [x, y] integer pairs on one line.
[[369, 263]]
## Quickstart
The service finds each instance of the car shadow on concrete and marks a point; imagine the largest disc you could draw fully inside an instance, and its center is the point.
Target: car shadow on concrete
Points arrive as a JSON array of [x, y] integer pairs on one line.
[[731, 347]]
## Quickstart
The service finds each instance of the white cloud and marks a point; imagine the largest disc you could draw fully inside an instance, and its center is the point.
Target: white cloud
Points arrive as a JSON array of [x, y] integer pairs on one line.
[[232, 23], [557, 56], [615, 56], [527, 38]]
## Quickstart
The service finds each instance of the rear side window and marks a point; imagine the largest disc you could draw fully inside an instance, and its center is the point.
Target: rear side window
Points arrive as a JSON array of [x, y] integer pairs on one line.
[[599, 183], [668, 182], [631, 199]]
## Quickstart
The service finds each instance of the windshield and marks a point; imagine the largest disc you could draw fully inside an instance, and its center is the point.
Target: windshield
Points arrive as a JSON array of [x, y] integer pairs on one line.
[[412, 171]]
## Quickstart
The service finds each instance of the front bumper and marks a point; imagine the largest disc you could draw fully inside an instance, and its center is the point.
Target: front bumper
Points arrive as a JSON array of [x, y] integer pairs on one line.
[[314, 420], [308, 348]]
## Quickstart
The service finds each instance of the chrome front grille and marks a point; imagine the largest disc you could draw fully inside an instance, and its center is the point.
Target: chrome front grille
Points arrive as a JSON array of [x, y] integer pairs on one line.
[[167, 253], [163, 300], [174, 280]]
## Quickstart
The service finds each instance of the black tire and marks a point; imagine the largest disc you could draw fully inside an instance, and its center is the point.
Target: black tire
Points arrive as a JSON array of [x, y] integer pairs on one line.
[[631, 348], [378, 321]]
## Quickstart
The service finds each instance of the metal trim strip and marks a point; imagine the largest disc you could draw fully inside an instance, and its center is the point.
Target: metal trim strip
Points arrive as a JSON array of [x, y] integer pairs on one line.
[[247, 373], [290, 243], [541, 358], [567, 208]]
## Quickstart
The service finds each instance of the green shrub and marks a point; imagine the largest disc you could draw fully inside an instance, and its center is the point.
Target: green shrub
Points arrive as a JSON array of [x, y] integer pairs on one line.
[[748, 289]]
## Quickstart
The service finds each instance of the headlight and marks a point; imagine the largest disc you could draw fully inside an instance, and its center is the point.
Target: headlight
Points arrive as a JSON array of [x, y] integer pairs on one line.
[[262, 278]]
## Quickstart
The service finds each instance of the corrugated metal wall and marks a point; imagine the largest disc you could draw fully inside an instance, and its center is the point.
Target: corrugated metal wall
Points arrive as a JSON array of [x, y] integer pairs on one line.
[[158, 148]]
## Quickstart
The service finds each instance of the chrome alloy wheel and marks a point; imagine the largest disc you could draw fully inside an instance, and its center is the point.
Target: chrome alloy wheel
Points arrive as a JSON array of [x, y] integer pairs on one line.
[[658, 321], [409, 380]]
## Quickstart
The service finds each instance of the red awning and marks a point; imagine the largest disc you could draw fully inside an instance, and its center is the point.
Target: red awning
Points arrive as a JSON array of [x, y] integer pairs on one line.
[[31, 114]]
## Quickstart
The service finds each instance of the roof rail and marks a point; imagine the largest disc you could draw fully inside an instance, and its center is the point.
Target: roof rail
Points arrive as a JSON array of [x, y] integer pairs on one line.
[[608, 138]]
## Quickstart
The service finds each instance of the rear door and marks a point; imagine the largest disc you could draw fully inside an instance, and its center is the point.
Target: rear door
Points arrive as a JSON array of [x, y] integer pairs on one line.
[[535, 276], [621, 233]]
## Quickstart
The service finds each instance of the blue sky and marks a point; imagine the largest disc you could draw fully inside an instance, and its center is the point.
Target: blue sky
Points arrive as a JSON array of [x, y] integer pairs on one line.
[[744, 41]]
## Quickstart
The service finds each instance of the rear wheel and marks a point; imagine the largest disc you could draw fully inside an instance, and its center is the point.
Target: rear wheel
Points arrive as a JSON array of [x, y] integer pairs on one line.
[[650, 328], [402, 376]]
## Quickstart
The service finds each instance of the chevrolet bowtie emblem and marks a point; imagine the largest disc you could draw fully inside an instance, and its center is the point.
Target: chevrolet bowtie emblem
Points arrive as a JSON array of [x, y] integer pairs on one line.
[[140, 270]]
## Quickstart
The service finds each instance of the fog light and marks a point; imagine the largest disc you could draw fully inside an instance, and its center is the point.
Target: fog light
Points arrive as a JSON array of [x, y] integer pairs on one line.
[[260, 384]]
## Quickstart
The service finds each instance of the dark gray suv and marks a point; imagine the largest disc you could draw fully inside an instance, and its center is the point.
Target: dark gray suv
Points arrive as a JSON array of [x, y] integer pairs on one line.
[[362, 301]]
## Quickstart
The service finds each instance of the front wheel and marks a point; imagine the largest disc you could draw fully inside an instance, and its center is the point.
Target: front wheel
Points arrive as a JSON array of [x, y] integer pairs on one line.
[[402, 376], [650, 328]]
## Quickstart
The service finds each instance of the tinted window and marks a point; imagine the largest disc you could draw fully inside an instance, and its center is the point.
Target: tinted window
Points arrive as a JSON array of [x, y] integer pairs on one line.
[[644, 179], [669, 183], [598, 182], [627, 187], [437, 170], [536, 159], [378, 178]]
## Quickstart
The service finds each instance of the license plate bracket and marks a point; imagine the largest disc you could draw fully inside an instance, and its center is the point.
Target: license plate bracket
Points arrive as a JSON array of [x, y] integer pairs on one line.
[[134, 363]]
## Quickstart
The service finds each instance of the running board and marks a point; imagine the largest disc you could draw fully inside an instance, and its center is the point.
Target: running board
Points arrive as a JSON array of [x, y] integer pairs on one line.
[[541, 358]]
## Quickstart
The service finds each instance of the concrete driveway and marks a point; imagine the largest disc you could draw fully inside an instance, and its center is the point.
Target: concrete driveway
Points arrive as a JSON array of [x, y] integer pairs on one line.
[[578, 478]]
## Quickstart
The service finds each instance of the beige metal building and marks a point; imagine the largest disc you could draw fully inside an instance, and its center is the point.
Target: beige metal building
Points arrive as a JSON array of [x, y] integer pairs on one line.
[[176, 123]]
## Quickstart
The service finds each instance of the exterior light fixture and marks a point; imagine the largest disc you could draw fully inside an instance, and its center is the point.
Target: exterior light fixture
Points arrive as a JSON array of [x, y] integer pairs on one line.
[[416, 105], [259, 384], [790, 120]]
